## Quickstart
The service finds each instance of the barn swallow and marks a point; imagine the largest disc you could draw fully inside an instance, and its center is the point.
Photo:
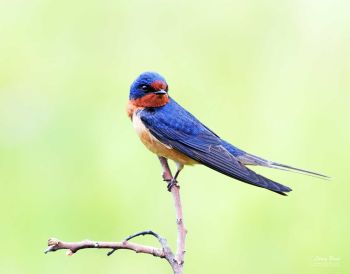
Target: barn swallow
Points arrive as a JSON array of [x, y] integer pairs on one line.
[[171, 132]]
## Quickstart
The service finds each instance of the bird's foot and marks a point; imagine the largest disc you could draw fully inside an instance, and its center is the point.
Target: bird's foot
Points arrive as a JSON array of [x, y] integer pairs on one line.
[[171, 184], [167, 177]]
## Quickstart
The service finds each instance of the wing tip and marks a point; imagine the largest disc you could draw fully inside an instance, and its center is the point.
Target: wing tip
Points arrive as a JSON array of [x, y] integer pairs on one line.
[[282, 191]]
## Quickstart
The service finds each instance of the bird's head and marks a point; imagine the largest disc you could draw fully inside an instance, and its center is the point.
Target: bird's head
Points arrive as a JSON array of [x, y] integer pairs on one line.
[[149, 90]]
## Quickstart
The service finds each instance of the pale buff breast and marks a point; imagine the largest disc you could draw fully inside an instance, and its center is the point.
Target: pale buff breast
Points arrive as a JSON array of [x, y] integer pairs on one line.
[[156, 146]]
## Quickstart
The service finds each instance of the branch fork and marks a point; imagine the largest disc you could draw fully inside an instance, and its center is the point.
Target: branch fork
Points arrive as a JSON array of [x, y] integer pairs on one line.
[[176, 261]]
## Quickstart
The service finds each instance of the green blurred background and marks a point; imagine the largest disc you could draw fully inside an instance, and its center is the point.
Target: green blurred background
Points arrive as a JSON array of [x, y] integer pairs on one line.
[[270, 76]]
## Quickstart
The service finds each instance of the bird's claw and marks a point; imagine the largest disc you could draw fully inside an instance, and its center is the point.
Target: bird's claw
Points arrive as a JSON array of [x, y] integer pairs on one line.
[[166, 178], [171, 184]]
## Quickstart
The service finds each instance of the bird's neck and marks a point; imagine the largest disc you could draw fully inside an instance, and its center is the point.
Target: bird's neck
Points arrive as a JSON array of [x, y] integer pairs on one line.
[[147, 101]]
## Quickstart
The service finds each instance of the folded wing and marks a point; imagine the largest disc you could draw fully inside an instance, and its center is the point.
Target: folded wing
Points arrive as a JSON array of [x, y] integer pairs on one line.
[[185, 133]]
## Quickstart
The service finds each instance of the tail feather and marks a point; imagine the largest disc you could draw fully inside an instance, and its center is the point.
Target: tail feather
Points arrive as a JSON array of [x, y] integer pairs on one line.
[[249, 159], [298, 170]]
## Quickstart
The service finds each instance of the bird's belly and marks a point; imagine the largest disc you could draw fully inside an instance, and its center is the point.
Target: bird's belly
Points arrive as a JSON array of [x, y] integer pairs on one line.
[[157, 147]]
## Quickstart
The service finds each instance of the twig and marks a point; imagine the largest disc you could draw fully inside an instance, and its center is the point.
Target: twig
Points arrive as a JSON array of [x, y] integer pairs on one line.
[[73, 247], [181, 230], [176, 262], [166, 249]]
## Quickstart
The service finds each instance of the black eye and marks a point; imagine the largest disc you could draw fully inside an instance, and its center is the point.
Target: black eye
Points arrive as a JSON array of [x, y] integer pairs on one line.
[[144, 87]]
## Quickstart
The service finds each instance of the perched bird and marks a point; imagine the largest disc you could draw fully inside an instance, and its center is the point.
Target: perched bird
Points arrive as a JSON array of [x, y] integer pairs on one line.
[[171, 132]]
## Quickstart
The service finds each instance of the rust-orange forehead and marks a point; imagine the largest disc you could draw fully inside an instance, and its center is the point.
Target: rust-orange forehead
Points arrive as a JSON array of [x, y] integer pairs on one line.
[[159, 85]]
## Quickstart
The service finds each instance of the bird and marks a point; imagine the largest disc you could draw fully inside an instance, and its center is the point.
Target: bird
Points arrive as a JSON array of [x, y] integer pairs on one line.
[[171, 132]]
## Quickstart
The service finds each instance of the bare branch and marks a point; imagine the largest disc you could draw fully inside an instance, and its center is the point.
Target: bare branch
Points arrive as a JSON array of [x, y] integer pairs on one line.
[[181, 230], [165, 252], [73, 247], [166, 249]]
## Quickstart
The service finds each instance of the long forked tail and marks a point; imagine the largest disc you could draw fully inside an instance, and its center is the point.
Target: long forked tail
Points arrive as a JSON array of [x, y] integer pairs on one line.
[[249, 159]]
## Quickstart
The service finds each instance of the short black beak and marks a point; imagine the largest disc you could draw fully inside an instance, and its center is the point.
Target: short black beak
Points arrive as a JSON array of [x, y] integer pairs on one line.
[[160, 92]]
